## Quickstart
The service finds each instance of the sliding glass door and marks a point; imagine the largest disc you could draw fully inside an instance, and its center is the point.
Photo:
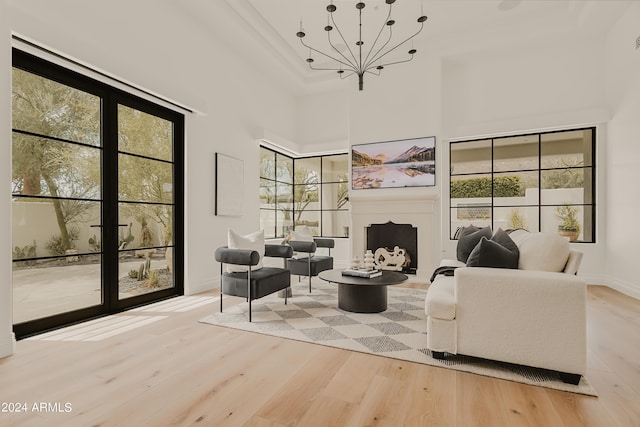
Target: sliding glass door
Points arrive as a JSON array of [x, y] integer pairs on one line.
[[97, 198]]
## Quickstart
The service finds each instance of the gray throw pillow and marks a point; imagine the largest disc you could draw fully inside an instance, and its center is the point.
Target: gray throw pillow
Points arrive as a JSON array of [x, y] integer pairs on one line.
[[469, 238], [499, 252]]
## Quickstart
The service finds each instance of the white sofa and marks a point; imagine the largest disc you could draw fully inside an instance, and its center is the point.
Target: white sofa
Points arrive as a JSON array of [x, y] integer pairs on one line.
[[526, 316]]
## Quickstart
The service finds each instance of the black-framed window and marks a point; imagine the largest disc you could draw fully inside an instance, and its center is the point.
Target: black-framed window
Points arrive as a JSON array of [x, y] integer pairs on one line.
[[308, 191], [539, 181]]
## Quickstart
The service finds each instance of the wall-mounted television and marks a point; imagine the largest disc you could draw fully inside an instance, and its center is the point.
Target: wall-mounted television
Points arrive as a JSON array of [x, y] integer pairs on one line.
[[393, 164]]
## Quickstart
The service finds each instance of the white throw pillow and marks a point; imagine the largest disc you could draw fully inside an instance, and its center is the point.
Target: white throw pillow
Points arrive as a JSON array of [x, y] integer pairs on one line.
[[300, 236], [253, 241], [543, 252], [519, 235]]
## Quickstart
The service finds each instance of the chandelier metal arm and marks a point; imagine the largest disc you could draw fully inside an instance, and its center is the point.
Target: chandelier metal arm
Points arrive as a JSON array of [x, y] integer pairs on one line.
[[355, 61], [375, 55], [348, 65], [330, 69], [396, 46], [342, 76], [384, 24], [387, 64], [352, 64]]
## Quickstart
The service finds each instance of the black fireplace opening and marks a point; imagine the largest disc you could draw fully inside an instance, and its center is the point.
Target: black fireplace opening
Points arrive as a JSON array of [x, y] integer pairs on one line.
[[389, 235]]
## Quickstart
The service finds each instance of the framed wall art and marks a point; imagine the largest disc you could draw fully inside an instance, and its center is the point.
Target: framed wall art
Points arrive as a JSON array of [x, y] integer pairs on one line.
[[229, 185], [393, 164]]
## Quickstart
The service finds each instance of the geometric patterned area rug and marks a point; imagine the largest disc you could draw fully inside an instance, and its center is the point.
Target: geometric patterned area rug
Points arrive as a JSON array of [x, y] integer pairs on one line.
[[399, 332]]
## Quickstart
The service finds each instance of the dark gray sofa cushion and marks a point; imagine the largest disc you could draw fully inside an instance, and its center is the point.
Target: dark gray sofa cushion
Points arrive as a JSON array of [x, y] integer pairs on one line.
[[469, 238], [498, 252]]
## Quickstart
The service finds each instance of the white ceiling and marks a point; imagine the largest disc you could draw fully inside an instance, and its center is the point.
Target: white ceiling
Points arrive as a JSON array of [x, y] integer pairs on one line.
[[267, 28]]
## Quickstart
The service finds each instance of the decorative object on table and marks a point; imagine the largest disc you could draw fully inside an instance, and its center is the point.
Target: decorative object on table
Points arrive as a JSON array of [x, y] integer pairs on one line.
[[229, 186], [386, 260], [368, 263], [393, 164], [399, 332], [366, 274], [355, 263], [373, 59]]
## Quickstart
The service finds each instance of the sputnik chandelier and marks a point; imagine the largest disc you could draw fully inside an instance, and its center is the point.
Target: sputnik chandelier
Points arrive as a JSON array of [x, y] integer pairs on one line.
[[360, 62]]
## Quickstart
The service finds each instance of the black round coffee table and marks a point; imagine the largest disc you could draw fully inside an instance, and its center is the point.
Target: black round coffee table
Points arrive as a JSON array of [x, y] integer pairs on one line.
[[360, 295]]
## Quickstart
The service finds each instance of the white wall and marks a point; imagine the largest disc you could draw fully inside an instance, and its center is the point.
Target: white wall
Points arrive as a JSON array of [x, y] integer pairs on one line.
[[623, 152], [403, 102], [7, 342], [322, 121], [525, 87]]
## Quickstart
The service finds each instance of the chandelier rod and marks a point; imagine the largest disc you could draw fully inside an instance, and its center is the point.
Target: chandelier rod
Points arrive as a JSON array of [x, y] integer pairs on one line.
[[379, 33], [412, 51], [310, 60], [328, 30]]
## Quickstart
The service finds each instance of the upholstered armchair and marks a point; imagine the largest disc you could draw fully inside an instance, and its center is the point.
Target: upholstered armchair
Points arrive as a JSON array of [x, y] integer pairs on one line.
[[307, 262], [252, 283]]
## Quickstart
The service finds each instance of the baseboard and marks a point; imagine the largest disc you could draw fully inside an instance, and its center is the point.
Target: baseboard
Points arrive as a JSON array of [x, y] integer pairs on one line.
[[203, 286], [8, 345], [622, 286], [627, 288]]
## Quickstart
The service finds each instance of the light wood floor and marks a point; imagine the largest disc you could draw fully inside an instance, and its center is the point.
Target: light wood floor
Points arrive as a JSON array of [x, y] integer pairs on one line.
[[177, 371]]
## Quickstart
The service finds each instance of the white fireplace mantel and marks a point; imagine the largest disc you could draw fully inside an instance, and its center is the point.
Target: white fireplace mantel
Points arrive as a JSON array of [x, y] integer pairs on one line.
[[419, 210]]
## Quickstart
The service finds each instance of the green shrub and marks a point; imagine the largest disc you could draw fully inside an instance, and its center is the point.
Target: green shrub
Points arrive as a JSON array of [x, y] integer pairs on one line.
[[28, 251], [55, 246], [503, 186]]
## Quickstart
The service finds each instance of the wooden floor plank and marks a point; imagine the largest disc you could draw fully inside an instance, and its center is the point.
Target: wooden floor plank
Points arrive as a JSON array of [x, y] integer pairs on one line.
[[176, 371]]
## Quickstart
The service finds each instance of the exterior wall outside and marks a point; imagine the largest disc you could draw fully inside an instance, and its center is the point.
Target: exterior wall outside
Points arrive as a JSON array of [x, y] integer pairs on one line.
[[43, 214]]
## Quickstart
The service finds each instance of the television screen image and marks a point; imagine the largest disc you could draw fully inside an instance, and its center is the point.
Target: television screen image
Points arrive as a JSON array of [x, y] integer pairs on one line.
[[392, 164]]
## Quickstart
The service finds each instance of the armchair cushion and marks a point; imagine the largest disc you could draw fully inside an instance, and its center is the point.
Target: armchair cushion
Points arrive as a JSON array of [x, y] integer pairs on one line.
[[253, 241], [303, 234], [227, 255], [308, 247], [317, 264], [263, 282]]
